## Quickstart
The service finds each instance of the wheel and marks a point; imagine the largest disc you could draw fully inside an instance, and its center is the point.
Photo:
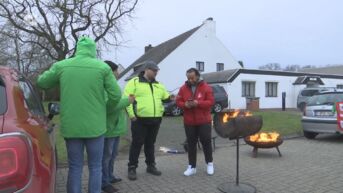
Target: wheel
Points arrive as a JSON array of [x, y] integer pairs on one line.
[[217, 108], [302, 107], [310, 135], [176, 111]]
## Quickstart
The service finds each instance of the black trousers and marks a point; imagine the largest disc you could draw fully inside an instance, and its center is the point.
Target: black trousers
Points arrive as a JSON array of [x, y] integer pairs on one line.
[[193, 133], [144, 132]]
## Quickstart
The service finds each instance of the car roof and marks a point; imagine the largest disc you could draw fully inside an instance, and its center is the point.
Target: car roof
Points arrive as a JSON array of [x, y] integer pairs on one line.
[[336, 91], [319, 88]]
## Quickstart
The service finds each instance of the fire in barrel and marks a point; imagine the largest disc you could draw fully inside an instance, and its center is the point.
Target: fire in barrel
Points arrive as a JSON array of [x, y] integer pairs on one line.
[[234, 124]]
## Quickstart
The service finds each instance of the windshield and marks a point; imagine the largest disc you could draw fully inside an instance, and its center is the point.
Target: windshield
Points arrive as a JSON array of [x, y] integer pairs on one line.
[[325, 99]]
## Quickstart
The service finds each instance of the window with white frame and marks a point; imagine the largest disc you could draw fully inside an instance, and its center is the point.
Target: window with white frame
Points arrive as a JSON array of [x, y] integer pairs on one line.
[[271, 89], [339, 86], [220, 67], [248, 89], [200, 66]]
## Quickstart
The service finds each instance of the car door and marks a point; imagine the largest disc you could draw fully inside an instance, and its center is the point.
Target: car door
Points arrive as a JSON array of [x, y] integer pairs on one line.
[[42, 134]]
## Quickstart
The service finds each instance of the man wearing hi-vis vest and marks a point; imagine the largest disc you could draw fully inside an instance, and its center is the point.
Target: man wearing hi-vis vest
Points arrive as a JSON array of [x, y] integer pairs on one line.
[[146, 116]]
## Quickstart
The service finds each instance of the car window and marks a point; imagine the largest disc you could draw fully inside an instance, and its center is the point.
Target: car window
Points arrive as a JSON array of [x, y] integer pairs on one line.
[[3, 100], [308, 92], [325, 99], [218, 89], [31, 100]]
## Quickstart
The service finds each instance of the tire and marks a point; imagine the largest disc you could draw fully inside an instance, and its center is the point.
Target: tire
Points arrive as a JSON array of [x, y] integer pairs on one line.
[[217, 108], [302, 107], [310, 135], [176, 111]]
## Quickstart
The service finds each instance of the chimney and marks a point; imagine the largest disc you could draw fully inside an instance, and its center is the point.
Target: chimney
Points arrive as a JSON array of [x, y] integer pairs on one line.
[[210, 25], [147, 48]]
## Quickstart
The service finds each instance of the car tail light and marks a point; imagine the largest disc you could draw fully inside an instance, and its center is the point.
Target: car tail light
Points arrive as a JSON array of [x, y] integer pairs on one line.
[[16, 162]]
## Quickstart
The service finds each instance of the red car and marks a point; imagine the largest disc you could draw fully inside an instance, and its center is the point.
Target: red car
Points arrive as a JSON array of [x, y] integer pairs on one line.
[[27, 143]]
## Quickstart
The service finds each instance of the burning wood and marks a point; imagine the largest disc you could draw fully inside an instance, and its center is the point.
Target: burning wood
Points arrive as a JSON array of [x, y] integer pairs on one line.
[[235, 113], [265, 137]]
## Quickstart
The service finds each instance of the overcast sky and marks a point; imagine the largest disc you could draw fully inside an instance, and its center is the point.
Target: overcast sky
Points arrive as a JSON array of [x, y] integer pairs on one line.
[[304, 32]]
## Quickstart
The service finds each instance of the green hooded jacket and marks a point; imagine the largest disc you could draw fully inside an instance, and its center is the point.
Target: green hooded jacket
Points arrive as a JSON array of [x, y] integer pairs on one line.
[[117, 120], [83, 81]]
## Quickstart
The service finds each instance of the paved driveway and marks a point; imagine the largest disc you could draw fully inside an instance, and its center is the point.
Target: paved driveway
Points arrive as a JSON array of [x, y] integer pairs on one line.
[[306, 166]]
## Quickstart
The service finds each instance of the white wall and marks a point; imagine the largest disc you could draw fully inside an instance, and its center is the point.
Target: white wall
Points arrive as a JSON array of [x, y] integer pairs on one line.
[[204, 46], [285, 84]]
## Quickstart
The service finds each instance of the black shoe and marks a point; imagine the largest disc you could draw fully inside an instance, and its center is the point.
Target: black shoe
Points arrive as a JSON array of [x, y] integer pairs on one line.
[[153, 170], [131, 174], [109, 189], [116, 180]]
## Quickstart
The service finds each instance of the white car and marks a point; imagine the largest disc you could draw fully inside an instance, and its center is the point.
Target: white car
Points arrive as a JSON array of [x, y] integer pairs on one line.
[[320, 114]]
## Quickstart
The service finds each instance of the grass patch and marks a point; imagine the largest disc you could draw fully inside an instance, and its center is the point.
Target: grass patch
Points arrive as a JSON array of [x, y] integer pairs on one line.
[[284, 122]]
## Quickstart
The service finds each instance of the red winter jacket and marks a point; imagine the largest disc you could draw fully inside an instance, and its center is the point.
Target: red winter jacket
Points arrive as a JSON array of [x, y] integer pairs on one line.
[[200, 114]]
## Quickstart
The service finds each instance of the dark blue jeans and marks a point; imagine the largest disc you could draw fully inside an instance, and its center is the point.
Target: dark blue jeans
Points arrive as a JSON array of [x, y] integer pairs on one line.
[[110, 153], [75, 150]]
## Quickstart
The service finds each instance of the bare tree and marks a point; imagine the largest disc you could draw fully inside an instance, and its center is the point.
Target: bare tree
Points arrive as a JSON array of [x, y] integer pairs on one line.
[[292, 68], [28, 58], [270, 66], [308, 66], [55, 25]]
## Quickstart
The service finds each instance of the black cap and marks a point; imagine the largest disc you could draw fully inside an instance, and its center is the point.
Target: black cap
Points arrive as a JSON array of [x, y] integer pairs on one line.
[[151, 65]]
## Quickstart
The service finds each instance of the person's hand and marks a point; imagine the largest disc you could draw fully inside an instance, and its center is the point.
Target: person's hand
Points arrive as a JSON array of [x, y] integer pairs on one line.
[[188, 104], [131, 98], [195, 103], [133, 118]]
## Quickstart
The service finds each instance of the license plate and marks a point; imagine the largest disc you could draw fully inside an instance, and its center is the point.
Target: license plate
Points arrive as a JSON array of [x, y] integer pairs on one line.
[[323, 113]]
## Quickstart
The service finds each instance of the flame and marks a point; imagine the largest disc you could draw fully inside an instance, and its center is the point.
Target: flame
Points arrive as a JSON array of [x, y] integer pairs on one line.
[[247, 114], [265, 137], [235, 113]]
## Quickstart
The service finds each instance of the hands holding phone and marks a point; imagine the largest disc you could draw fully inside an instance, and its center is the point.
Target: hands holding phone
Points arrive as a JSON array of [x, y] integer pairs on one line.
[[190, 103]]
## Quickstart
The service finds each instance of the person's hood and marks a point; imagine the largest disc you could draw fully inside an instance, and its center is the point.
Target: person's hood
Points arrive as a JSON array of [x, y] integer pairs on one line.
[[86, 47]]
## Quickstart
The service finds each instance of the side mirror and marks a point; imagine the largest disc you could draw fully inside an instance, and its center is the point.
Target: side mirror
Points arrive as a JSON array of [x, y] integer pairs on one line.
[[54, 109]]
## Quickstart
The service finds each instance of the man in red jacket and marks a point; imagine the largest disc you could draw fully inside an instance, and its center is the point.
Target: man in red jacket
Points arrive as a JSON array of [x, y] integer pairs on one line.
[[195, 97]]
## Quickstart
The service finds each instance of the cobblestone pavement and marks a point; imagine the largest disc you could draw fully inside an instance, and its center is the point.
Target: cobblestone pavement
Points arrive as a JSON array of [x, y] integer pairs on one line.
[[305, 166]]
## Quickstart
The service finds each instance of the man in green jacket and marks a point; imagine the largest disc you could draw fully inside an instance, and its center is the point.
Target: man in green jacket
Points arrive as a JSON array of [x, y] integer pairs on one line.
[[83, 81], [146, 116], [116, 127]]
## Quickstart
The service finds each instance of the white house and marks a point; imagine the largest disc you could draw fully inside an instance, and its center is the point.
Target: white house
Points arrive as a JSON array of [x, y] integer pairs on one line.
[[267, 86], [198, 47]]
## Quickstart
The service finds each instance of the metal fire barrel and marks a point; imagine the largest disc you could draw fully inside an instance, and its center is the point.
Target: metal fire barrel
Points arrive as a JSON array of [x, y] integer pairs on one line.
[[240, 126]]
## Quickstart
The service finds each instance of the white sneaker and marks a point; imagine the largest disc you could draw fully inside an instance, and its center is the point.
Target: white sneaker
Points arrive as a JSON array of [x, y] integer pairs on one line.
[[210, 168], [190, 171]]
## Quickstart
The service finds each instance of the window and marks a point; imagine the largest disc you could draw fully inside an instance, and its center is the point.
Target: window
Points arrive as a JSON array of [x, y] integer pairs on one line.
[[271, 89], [200, 66], [339, 86], [31, 100], [248, 89], [220, 67]]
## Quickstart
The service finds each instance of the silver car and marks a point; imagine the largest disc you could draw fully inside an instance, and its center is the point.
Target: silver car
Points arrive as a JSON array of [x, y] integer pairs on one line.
[[320, 114]]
